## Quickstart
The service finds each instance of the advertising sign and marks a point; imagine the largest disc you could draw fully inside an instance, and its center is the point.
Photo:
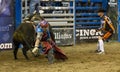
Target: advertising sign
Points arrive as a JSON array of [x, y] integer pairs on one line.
[[63, 36], [87, 34], [6, 24]]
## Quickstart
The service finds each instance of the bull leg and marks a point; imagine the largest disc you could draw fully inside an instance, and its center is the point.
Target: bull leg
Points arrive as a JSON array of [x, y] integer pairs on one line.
[[24, 50], [16, 46], [50, 56]]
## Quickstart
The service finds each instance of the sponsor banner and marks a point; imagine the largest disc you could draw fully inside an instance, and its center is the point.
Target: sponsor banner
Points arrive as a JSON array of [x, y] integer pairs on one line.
[[63, 36], [5, 45], [87, 34], [6, 24]]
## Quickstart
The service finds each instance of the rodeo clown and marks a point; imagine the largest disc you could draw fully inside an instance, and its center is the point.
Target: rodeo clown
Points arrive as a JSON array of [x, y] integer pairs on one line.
[[107, 28], [45, 45]]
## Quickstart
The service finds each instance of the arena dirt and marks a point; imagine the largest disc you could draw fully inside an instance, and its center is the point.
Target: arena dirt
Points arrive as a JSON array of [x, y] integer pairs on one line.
[[82, 58]]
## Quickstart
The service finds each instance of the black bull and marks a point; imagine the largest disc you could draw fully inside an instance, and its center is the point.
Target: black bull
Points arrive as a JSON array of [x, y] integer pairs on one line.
[[25, 34]]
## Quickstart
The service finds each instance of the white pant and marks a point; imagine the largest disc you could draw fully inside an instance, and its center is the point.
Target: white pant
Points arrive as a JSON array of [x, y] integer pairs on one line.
[[100, 45]]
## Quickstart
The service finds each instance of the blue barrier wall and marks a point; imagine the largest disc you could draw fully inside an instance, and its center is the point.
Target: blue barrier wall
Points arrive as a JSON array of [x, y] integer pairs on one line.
[[119, 20], [6, 23], [18, 12], [86, 18]]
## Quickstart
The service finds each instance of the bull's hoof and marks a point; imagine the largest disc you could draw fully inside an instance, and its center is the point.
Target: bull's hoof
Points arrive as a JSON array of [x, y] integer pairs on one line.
[[15, 58], [27, 58]]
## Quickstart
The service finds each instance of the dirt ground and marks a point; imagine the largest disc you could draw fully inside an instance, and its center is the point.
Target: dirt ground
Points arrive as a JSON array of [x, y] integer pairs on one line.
[[82, 58]]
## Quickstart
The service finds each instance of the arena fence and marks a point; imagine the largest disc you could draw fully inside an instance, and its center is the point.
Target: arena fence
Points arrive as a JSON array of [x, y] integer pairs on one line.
[[87, 19], [60, 15], [73, 21]]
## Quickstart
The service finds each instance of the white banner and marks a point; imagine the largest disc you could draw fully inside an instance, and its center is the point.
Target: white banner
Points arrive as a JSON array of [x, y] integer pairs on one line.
[[63, 36], [87, 34]]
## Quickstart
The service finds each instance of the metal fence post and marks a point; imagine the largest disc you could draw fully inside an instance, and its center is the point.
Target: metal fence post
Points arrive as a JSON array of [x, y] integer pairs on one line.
[[18, 12]]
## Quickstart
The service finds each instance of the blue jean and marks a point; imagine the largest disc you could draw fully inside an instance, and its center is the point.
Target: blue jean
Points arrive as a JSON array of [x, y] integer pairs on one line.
[[32, 5]]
